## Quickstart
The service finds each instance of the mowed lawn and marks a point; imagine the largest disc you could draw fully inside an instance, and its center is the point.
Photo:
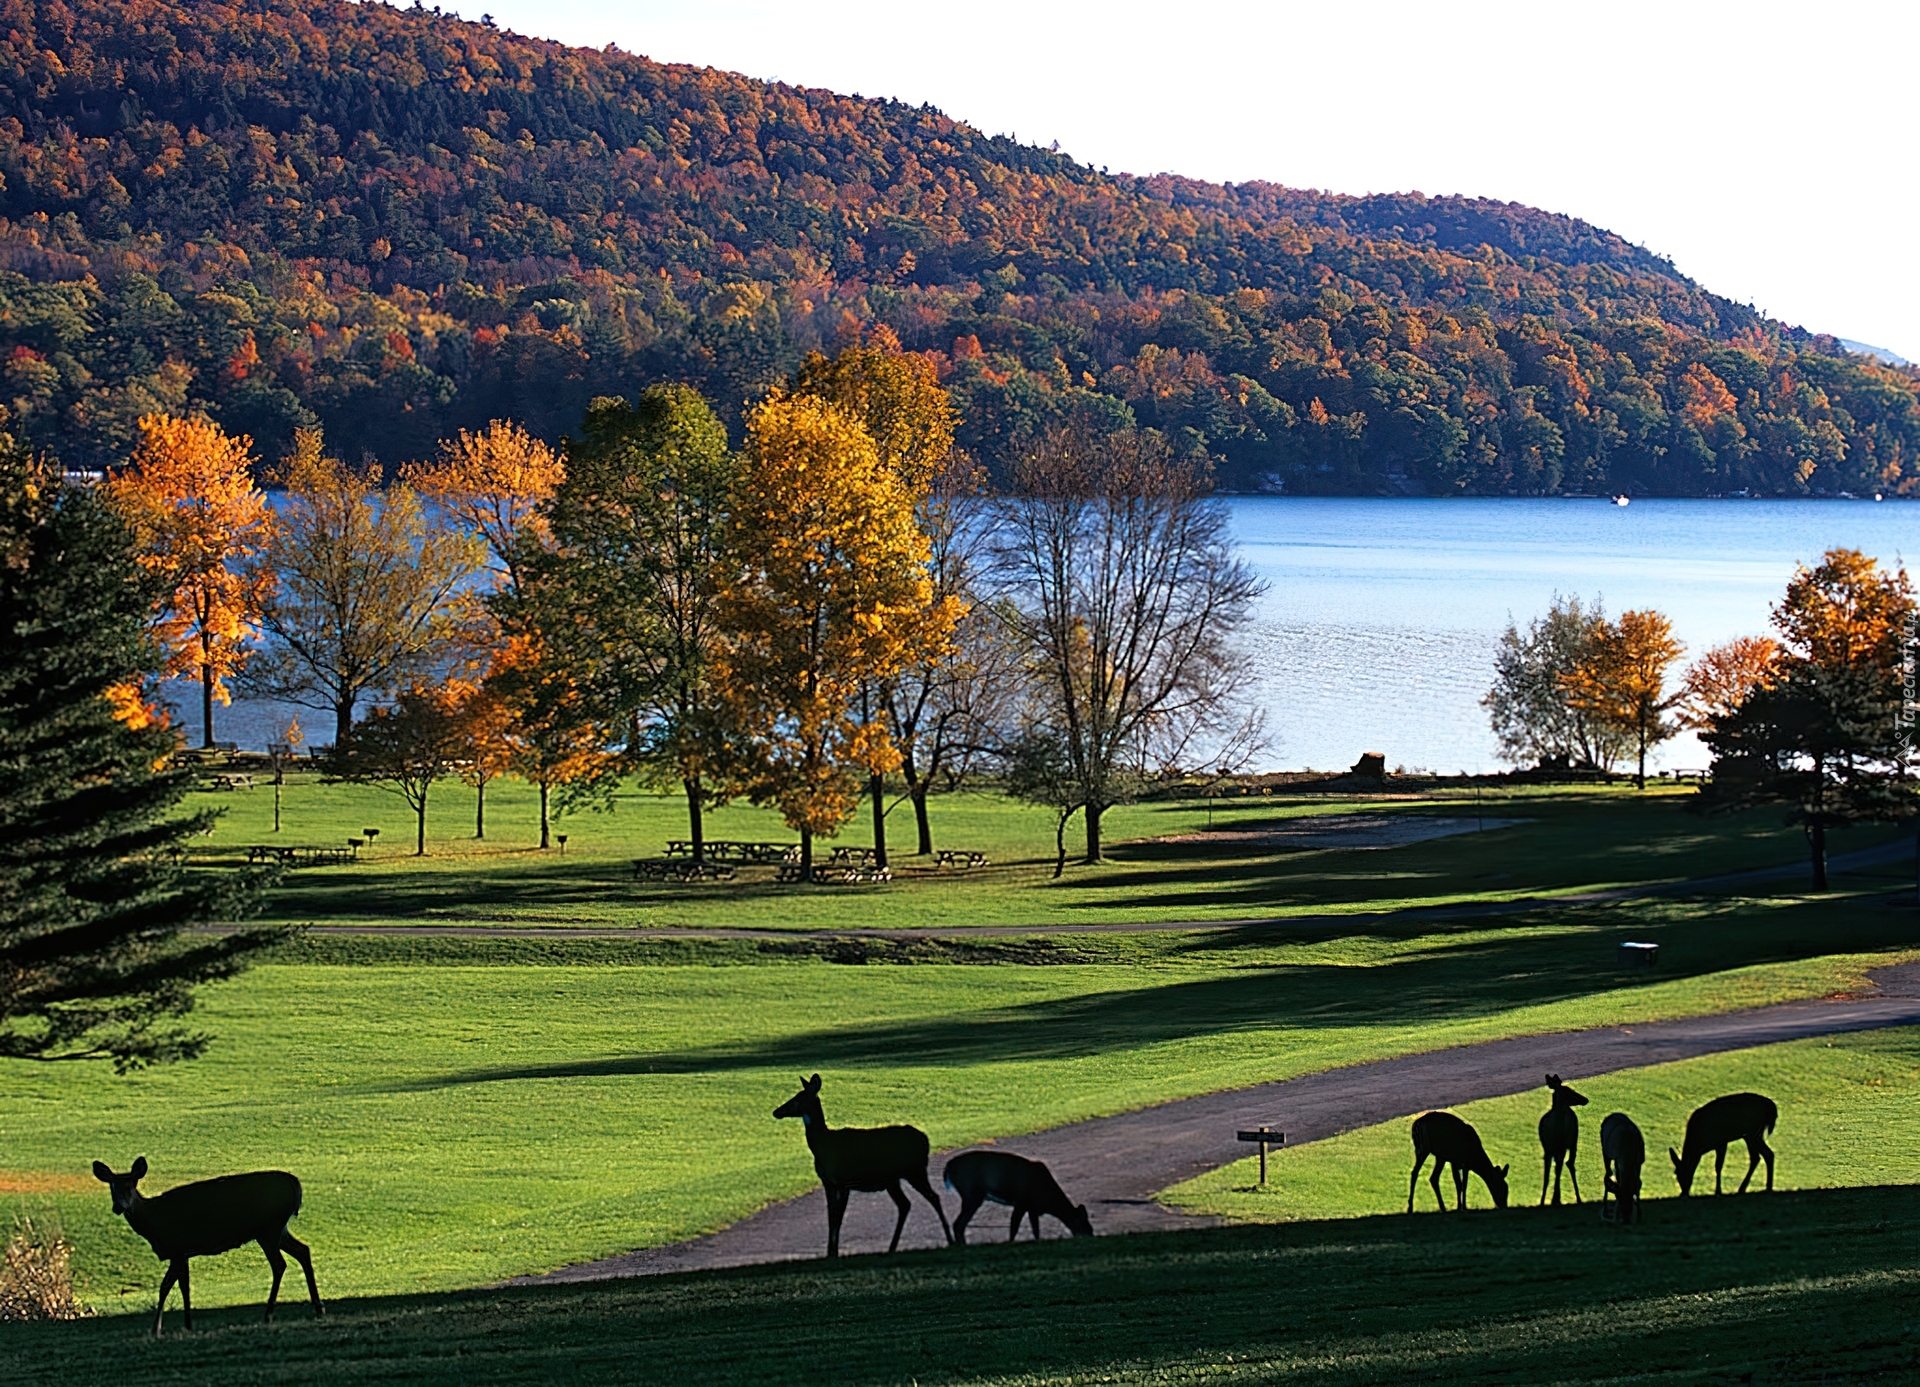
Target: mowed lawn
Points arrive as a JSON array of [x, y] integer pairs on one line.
[[1849, 1115], [1555, 840], [459, 1121], [1814, 1286]]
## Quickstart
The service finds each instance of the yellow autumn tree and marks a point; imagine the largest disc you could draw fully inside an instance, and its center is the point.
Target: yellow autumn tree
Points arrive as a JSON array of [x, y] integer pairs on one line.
[[1621, 680], [831, 595], [547, 729], [493, 483], [188, 495]]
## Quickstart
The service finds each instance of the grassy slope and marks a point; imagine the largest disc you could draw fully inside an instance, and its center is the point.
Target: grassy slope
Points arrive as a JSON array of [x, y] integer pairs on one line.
[[1572, 840], [1847, 1109], [1815, 1286], [455, 1124]]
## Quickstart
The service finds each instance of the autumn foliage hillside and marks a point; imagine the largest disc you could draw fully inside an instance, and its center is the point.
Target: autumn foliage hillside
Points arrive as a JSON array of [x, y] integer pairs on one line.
[[398, 224]]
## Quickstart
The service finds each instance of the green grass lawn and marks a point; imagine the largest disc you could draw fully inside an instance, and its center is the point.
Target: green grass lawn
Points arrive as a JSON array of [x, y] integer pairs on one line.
[[460, 1113], [1570, 840], [1847, 1117], [1816, 1286]]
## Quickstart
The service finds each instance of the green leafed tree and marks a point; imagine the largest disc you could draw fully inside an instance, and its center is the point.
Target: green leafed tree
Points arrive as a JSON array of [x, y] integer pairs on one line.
[[95, 899]]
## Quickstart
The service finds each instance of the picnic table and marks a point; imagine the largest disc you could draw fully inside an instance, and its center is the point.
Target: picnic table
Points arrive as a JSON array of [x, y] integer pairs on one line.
[[231, 781], [847, 856], [302, 856], [833, 875], [666, 869], [959, 861], [725, 849]]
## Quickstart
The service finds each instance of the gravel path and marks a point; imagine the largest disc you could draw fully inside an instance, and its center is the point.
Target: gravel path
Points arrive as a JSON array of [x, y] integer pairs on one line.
[[1117, 1164]]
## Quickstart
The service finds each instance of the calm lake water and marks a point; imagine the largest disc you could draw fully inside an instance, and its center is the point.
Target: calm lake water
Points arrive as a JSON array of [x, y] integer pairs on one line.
[[1378, 628]]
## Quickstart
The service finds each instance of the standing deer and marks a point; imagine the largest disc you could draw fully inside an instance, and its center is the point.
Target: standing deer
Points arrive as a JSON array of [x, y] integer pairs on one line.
[[1717, 1125], [1560, 1139], [210, 1217], [1027, 1187], [870, 1159], [1623, 1152], [1450, 1141]]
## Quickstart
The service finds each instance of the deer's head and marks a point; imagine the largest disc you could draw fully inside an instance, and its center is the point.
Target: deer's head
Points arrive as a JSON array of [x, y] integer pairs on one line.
[[1564, 1097], [1497, 1184], [1078, 1223], [1683, 1171], [805, 1104], [125, 1188]]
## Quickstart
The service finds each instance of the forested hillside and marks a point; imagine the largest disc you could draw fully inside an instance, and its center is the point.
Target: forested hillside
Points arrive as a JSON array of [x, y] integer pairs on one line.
[[398, 224]]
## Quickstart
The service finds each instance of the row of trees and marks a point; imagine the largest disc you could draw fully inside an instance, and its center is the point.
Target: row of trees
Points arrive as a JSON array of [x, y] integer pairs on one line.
[[837, 602], [1819, 716]]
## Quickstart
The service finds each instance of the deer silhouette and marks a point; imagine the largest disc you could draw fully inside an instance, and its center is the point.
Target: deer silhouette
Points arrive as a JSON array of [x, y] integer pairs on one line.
[[1717, 1125], [1451, 1141], [1623, 1153], [1027, 1187], [209, 1217], [869, 1159], [1560, 1139]]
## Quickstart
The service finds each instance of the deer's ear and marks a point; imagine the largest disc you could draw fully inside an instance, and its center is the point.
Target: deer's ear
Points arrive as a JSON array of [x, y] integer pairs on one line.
[[102, 1173], [1504, 1169], [812, 1085], [139, 1170], [1673, 1156]]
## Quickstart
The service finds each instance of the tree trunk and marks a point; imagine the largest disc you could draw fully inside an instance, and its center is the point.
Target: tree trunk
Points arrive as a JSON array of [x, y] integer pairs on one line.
[[342, 724], [480, 807], [1093, 812], [278, 780], [420, 828], [1640, 780], [1817, 840], [877, 786], [206, 706], [806, 854], [546, 823], [695, 821], [920, 821]]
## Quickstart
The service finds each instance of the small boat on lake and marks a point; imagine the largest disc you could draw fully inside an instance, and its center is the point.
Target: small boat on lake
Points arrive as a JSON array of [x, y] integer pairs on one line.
[[1622, 500]]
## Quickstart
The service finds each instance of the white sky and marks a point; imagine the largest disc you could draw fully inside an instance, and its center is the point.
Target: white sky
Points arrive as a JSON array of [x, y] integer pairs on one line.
[[1769, 150]]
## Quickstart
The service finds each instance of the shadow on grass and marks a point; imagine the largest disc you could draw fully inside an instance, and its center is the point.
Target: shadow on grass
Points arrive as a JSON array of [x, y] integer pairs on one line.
[[1471, 969], [1791, 1286]]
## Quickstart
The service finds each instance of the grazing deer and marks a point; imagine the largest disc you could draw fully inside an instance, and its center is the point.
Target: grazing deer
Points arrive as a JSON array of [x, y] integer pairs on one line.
[[1717, 1125], [1623, 1152], [1560, 1139], [870, 1159], [209, 1217], [1451, 1141], [1027, 1187]]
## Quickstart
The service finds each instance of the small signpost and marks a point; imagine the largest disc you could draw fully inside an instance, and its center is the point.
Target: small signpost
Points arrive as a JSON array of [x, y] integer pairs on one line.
[[1266, 1136]]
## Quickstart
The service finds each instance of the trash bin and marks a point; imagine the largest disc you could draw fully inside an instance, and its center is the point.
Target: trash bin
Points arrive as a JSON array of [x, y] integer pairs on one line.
[[1639, 955]]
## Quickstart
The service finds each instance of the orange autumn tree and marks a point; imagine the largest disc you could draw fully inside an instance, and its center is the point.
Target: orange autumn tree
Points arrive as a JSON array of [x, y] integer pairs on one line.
[[1621, 680], [1720, 680], [188, 495], [493, 483], [831, 596], [547, 726]]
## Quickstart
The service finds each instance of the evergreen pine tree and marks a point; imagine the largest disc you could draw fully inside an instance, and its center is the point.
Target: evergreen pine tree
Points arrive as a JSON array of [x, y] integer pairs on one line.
[[94, 892]]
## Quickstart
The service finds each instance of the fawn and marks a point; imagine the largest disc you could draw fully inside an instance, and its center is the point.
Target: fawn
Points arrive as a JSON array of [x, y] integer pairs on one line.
[[209, 1217], [1560, 1139], [1623, 1152], [1715, 1126], [1027, 1187], [870, 1159], [1450, 1141]]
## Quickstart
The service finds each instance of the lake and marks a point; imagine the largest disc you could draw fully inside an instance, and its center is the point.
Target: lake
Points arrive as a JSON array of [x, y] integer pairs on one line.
[[1381, 618], [1378, 628]]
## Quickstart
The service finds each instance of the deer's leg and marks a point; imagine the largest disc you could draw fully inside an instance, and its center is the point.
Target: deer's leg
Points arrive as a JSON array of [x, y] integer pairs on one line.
[[836, 1209], [1719, 1163], [279, 1265], [919, 1181], [1546, 1170], [166, 1288], [1033, 1218], [1766, 1151], [1754, 1147], [905, 1206], [969, 1206], [1460, 1174], [1573, 1169], [1413, 1180], [1013, 1229], [1438, 1198], [186, 1294], [304, 1257]]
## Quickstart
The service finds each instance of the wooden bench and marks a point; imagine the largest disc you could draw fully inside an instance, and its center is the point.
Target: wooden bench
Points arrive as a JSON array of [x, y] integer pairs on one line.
[[666, 869], [959, 861], [302, 856], [833, 875]]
